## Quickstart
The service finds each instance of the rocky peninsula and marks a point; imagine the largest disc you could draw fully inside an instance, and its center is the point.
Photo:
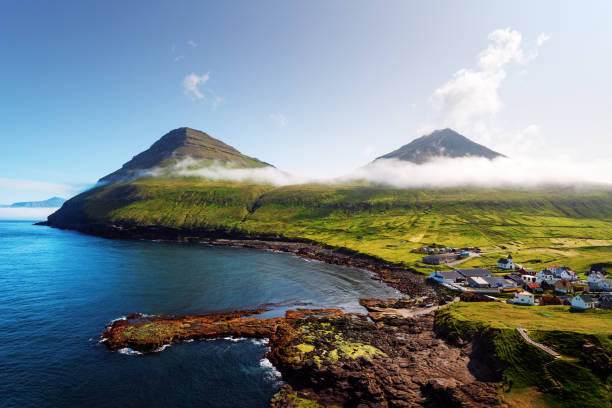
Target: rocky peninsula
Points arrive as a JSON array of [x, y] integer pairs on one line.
[[330, 358]]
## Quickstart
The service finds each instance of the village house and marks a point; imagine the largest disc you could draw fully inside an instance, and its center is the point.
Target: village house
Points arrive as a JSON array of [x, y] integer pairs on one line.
[[527, 271], [563, 286], [509, 284], [524, 298], [515, 278], [605, 302], [447, 277], [493, 281], [478, 282], [528, 278], [533, 287], [568, 274], [563, 272], [506, 263], [595, 277], [440, 259], [605, 284], [582, 302], [546, 276], [599, 269], [468, 273]]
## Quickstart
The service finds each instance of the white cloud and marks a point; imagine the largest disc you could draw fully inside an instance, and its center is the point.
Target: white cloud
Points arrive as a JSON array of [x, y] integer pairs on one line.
[[516, 172], [279, 118], [367, 151], [192, 82], [216, 101], [542, 38], [192, 43], [470, 101], [178, 58], [440, 173]]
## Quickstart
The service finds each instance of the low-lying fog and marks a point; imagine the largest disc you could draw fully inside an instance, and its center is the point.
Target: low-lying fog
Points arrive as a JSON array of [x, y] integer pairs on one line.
[[441, 172]]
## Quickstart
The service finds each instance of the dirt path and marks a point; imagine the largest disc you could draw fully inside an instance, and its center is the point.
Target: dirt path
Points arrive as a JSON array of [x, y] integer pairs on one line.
[[460, 261], [542, 347]]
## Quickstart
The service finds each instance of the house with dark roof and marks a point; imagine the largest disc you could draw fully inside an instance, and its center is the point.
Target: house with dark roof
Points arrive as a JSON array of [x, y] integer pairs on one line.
[[597, 268], [478, 282], [546, 276], [515, 278], [533, 287], [506, 263], [527, 271], [605, 302], [447, 277], [440, 259], [582, 302], [481, 273], [564, 286], [493, 281]]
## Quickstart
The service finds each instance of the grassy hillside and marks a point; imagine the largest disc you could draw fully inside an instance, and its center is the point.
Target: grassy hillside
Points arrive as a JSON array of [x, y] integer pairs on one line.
[[550, 226], [532, 378]]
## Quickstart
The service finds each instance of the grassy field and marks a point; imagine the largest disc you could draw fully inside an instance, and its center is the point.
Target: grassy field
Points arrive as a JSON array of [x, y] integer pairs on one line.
[[546, 318], [530, 374], [561, 226]]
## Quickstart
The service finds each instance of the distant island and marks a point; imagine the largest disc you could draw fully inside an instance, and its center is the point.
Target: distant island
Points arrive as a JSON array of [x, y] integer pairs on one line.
[[53, 202]]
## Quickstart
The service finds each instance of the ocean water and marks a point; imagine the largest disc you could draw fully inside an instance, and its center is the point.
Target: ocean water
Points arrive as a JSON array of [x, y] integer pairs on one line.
[[58, 289]]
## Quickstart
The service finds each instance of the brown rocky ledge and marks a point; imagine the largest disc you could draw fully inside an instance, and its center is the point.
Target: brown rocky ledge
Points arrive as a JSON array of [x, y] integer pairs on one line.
[[329, 358]]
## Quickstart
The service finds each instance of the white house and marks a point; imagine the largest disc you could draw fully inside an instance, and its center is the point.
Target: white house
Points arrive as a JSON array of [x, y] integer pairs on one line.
[[595, 277], [478, 282], [582, 302], [568, 274], [506, 263], [524, 298], [528, 278], [546, 276], [605, 284], [563, 272]]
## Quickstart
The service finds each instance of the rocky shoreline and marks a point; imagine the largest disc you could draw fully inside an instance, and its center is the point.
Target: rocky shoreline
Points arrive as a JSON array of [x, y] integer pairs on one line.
[[329, 358]]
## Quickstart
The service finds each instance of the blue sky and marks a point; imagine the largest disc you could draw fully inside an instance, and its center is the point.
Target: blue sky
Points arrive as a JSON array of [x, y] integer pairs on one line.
[[314, 87]]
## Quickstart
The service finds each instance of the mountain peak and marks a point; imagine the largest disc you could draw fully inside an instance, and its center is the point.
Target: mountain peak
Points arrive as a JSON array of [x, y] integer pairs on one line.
[[440, 143], [179, 144]]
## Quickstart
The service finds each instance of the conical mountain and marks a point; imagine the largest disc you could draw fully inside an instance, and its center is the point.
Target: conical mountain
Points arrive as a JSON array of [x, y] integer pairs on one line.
[[179, 144], [440, 143]]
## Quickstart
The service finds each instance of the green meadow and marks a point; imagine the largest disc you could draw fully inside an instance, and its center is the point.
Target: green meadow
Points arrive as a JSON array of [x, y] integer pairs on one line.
[[561, 226]]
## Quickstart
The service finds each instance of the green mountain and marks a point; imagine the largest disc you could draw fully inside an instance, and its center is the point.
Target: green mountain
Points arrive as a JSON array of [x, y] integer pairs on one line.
[[440, 143], [179, 144]]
